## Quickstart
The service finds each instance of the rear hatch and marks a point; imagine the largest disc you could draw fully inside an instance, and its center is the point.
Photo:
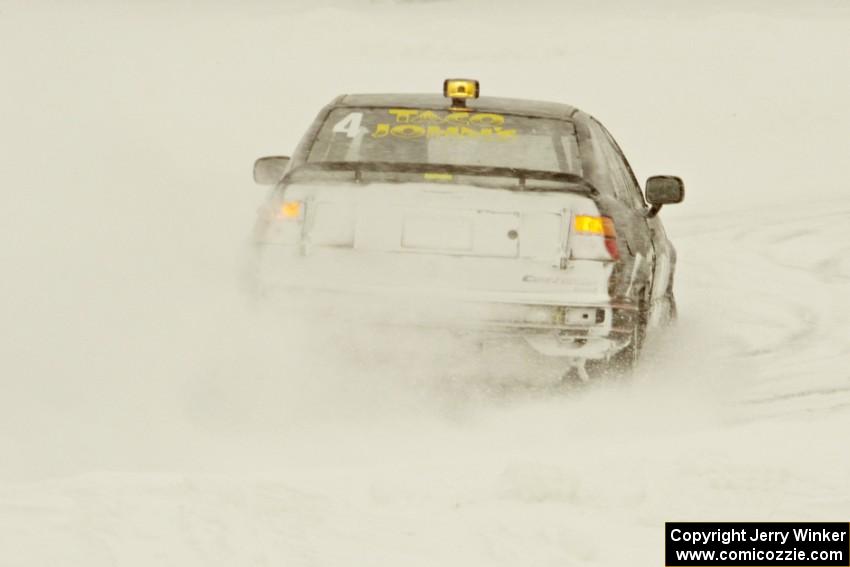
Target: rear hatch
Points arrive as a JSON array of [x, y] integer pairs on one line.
[[441, 239]]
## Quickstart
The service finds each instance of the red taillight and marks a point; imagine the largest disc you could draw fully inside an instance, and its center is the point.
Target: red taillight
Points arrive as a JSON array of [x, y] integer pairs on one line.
[[611, 246], [587, 233], [610, 234]]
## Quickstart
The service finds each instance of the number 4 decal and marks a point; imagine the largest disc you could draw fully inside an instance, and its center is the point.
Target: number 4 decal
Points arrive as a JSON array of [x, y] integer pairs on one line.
[[350, 125]]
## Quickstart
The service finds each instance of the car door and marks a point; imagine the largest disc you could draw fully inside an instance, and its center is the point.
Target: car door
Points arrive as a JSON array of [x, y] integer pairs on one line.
[[625, 204], [663, 254]]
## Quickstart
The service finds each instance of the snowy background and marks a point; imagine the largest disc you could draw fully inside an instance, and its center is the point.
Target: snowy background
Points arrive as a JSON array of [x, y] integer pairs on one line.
[[152, 415]]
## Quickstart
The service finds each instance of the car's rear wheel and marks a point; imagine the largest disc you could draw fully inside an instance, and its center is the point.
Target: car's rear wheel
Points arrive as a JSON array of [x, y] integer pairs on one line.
[[627, 359]]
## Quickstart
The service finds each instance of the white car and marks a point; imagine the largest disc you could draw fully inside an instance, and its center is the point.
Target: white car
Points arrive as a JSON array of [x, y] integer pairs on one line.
[[523, 218]]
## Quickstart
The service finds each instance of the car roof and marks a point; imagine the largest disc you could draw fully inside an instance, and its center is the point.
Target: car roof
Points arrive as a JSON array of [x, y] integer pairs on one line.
[[540, 109]]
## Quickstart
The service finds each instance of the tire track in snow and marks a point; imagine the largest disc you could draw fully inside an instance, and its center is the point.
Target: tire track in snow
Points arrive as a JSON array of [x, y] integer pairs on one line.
[[782, 295]]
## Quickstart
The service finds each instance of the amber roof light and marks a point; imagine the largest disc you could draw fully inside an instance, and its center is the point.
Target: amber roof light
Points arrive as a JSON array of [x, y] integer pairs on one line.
[[459, 90]]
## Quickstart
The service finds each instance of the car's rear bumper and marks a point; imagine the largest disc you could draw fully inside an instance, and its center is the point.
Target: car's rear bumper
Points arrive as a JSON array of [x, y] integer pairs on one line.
[[607, 329], [595, 340], [563, 313]]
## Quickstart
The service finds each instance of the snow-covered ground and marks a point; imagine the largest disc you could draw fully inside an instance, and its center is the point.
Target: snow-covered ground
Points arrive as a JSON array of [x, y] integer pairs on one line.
[[151, 414]]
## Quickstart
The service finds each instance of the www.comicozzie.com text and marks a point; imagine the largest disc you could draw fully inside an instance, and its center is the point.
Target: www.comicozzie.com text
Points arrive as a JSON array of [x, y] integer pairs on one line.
[[726, 536]]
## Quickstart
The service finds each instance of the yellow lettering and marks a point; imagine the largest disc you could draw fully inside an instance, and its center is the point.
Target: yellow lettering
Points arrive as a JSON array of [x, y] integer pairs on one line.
[[488, 119], [436, 131], [408, 131], [402, 115], [428, 116], [457, 117], [408, 125], [381, 130]]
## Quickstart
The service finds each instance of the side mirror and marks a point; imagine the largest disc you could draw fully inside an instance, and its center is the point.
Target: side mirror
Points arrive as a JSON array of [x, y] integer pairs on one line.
[[663, 190], [269, 170]]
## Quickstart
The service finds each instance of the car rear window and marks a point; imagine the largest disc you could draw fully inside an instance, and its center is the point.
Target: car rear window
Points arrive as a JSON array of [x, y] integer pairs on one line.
[[408, 135]]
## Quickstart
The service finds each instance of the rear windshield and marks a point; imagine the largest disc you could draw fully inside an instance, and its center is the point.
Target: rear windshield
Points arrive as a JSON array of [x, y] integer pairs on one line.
[[406, 135]]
